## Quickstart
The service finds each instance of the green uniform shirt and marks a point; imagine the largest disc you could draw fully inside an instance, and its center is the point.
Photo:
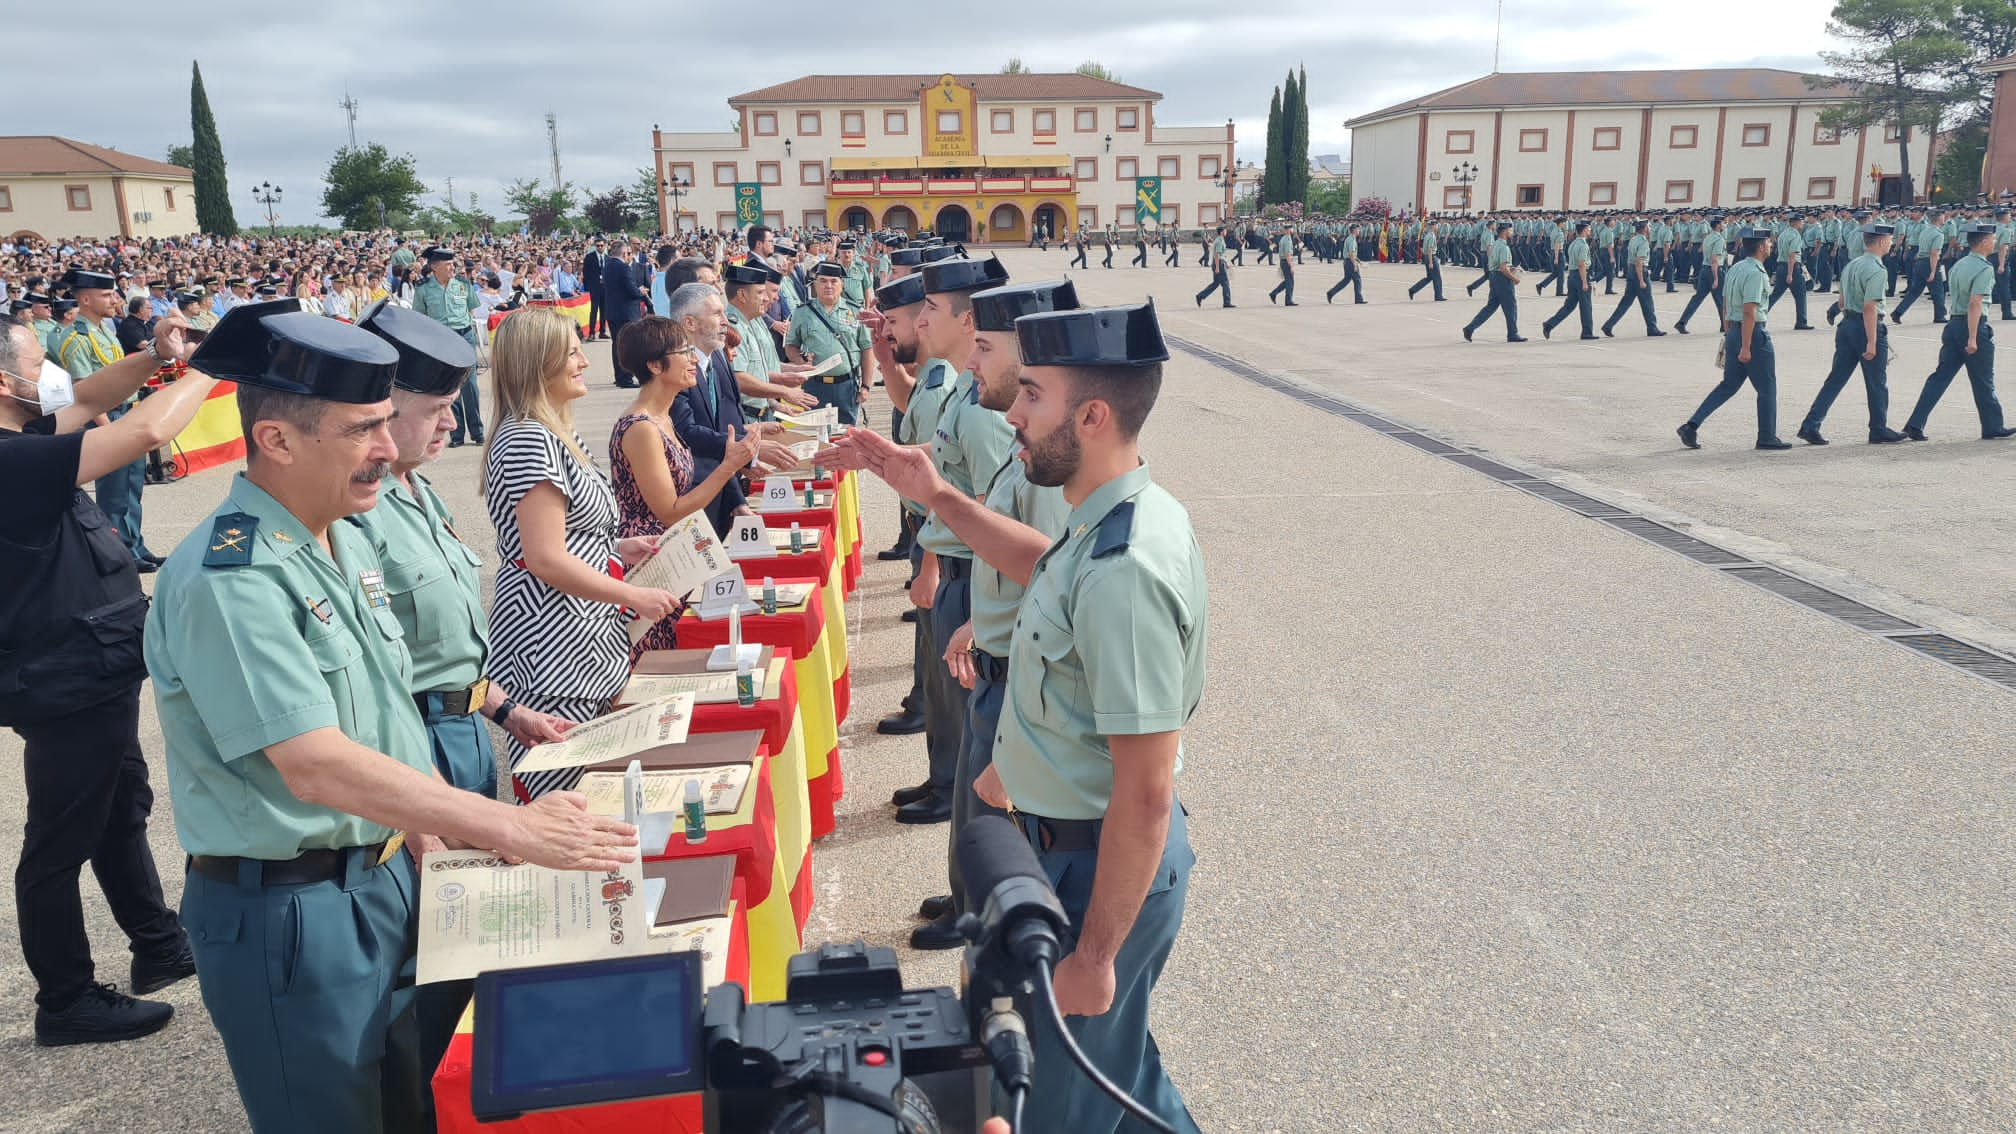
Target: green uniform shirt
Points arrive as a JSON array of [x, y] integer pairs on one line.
[[1285, 247], [449, 303], [1427, 241], [85, 347], [1972, 275], [846, 335], [1931, 241], [1578, 254], [1747, 282], [756, 357], [403, 256], [1712, 247], [287, 641], [996, 597], [435, 583], [1501, 255], [968, 445], [927, 401], [860, 280], [1217, 251], [1350, 249], [1791, 243], [1865, 278], [1110, 641], [1639, 250], [43, 329]]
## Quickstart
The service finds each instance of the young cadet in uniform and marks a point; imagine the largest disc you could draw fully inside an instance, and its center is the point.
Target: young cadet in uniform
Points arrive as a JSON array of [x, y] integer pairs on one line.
[[1637, 284], [1861, 340], [1927, 247], [1352, 276], [71, 616], [830, 326], [295, 752], [1792, 270], [967, 443], [759, 374], [1504, 279], [1967, 342], [1707, 276], [920, 397], [1431, 265], [1577, 270], [449, 300], [1287, 284], [85, 348], [1221, 271], [1747, 354]]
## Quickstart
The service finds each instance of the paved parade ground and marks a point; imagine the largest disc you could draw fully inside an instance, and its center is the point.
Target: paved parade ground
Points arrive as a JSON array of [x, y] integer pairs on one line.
[[1507, 819]]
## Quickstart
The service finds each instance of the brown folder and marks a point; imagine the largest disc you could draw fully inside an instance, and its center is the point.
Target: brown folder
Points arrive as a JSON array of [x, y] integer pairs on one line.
[[701, 750], [695, 888]]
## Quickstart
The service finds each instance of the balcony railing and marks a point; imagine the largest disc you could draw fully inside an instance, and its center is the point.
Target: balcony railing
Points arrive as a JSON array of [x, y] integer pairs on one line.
[[947, 186]]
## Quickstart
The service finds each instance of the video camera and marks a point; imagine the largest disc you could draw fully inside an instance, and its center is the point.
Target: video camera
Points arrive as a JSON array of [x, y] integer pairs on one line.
[[849, 1050]]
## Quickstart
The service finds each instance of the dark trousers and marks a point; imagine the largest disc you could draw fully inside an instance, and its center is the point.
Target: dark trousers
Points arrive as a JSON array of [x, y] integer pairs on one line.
[[1353, 278], [624, 377], [1108, 261], [1140, 256], [1432, 278], [1117, 1041], [594, 309], [944, 698], [983, 720], [1172, 258], [1558, 276], [1221, 282], [1798, 289], [1850, 340], [1980, 367], [1640, 294], [1704, 289], [88, 801], [303, 984], [1078, 261], [469, 403], [1576, 302], [1922, 283], [1761, 371], [1504, 297], [118, 495], [1287, 283]]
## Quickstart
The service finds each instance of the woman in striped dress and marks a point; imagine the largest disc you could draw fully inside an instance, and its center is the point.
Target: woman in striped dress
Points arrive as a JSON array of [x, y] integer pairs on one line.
[[558, 632]]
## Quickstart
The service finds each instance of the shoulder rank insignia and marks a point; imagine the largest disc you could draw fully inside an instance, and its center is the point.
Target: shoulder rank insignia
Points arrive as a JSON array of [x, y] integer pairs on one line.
[[231, 540], [1114, 530], [937, 378], [973, 393]]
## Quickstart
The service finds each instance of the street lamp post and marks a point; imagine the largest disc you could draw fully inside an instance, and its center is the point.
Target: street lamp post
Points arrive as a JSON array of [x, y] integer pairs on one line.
[[675, 188], [268, 194], [1465, 174]]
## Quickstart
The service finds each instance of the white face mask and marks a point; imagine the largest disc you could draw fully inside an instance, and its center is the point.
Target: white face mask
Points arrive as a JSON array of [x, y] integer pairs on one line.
[[56, 390]]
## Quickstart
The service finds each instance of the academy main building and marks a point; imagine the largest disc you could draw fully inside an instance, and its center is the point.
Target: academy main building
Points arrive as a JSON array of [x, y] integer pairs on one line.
[[972, 157]]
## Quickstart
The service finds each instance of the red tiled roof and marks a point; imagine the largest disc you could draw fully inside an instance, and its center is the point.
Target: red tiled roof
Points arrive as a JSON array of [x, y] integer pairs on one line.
[[1614, 88], [27, 154], [904, 88]]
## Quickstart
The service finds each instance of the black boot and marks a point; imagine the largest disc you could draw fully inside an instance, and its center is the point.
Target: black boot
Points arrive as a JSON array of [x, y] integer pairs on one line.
[[102, 1014]]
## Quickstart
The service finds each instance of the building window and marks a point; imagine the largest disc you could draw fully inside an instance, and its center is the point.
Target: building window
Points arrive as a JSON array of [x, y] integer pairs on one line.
[[1002, 121], [1820, 189], [1602, 193], [1757, 133], [1127, 168], [853, 124], [6, 199], [811, 173], [1126, 216], [1608, 138], [1085, 169], [1086, 119], [1044, 121], [1460, 141], [808, 122], [1826, 135], [1533, 141], [950, 122], [1892, 134], [725, 222], [1169, 168], [1088, 216], [1207, 214], [815, 218], [895, 122], [725, 173], [79, 197], [1455, 197], [1127, 118], [1170, 214], [167, 194], [766, 123], [1679, 192], [773, 220], [769, 173], [1750, 189], [680, 171], [1207, 168], [1683, 137], [1529, 197]]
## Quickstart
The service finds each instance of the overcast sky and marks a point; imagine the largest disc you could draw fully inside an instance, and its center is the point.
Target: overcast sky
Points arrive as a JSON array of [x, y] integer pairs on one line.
[[465, 89]]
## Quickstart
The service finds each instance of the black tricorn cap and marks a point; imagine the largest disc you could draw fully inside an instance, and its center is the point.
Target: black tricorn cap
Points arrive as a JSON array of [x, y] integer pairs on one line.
[[1093, 336], [964, 275], [996, 309], [936, 252], [907, 257], [745, 274], [278, 346], [432, 358], [829, 268], [900, 292]]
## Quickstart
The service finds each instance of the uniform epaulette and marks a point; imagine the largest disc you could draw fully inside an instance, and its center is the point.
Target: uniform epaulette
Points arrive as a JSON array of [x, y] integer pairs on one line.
[[973, 393], [231, 540], [1115, 530], [937, 378]]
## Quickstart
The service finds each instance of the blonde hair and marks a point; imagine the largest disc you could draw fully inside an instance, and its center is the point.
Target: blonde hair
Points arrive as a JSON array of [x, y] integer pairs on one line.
[[529, 348]]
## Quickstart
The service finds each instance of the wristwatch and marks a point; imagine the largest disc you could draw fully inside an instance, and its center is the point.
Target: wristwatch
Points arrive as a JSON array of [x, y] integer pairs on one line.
[[503, 712]]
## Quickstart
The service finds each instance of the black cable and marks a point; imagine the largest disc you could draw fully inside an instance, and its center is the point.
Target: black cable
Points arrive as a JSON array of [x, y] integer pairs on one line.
[[1084, 1062], [1015, 1100]]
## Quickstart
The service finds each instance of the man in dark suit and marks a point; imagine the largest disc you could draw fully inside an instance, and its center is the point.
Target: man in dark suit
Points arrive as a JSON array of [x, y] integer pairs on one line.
[[622, 304], [702, 415], [591, 282]]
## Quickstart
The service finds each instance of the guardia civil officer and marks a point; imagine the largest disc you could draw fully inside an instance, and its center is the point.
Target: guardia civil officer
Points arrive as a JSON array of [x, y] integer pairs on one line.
[[1707, 276], [1576, 272], [84, 346], [830, 326], [1431, 265], [1637, 284], [1287, 284], [1967, 341], [1221, 271], [1926, 249], [1860, 340], [295, 752], [450, 300], [1746, 345], [923, 399], [1504, 280], [1353, 278], [71, 616], [1792, 269]]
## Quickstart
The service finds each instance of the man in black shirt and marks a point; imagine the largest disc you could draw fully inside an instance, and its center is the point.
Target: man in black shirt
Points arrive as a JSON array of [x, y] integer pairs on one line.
[[133, 331], [71, 618]]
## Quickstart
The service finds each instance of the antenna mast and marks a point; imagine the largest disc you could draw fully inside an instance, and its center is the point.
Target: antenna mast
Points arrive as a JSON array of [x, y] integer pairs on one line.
[[349, 106]]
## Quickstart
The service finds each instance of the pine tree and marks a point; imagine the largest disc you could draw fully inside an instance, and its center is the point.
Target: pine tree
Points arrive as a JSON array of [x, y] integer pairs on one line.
[[1270, 184], [213, 191], [1298, 142]]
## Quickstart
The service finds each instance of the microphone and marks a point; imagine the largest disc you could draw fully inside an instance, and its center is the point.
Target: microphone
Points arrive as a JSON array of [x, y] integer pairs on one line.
[[1020, 919]]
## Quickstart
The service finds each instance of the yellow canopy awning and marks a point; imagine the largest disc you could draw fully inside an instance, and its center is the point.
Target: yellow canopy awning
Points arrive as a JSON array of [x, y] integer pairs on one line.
[[1033, 161], [915, 161]]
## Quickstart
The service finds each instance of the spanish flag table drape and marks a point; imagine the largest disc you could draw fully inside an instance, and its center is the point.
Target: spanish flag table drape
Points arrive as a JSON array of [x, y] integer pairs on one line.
[[574, 307], [213, 437]]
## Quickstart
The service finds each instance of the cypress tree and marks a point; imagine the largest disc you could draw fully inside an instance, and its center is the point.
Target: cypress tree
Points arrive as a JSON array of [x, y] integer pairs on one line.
[[1298, 141], [1291, 102], [1270, 181], [213, 192]]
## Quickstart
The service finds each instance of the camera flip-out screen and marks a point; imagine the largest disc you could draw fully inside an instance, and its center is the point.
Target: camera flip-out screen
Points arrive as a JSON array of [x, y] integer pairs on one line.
[[588, 1033]]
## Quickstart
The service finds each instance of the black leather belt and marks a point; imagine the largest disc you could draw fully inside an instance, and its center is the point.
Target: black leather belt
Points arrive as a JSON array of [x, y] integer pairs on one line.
[[989, 667], [1059, 835], [436, 703], [307, 867], [954, 566]]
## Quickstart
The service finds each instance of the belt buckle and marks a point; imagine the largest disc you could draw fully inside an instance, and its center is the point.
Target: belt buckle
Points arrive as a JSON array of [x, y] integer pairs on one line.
[[392, 846], [479, 692]]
